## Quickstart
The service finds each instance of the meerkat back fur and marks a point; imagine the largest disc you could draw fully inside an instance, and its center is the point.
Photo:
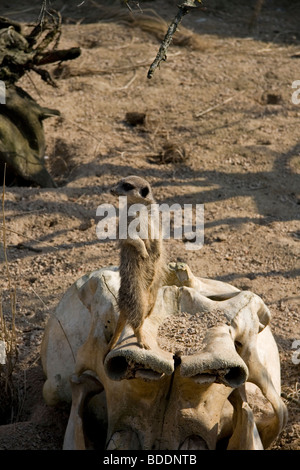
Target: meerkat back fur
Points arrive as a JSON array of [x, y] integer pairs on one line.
[[142, 261]]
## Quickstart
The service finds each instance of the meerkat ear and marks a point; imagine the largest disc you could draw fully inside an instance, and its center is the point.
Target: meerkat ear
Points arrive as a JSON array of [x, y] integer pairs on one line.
[[144, 191]]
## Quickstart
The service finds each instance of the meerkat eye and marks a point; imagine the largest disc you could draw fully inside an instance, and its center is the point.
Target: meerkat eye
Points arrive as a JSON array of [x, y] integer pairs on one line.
[[127, 186], [144, 191]]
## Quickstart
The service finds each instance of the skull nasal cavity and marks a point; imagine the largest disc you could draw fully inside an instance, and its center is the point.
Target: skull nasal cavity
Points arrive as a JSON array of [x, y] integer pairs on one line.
[[235, 377], [117, 367]]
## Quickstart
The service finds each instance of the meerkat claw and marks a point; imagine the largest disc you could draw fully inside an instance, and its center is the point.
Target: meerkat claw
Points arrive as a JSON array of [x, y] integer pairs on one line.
[[144, 345]]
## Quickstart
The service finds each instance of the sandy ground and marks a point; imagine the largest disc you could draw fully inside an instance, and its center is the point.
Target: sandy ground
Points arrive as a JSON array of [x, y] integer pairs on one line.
[[242, 161]]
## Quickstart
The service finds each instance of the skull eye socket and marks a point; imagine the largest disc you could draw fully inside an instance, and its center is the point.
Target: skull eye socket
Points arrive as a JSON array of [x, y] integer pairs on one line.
[[127, 186]]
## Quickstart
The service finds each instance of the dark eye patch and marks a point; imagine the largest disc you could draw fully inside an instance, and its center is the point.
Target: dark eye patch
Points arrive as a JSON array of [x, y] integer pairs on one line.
[[127, 186], [144, 191]]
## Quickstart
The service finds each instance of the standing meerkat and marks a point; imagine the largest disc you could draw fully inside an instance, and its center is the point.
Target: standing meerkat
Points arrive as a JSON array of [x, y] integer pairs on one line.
[[141, 261]]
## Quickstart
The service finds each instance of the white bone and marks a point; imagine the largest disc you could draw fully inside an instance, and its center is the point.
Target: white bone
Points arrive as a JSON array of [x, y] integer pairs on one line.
[[83, 388], [152, 400], [245, 435]]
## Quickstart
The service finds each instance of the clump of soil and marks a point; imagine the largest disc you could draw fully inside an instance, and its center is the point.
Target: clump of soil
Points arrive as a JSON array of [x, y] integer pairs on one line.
[[184, 334]]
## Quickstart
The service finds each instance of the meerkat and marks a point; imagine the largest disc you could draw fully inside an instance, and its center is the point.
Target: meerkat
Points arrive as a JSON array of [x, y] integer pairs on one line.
[[141, 262]]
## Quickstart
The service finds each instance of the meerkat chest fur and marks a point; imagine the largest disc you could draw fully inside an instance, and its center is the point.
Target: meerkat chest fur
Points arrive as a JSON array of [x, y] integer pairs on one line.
[[141, 253]]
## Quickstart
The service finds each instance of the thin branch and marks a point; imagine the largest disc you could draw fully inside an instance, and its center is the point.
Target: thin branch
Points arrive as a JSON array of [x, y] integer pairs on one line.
[[25, 236], [290, 398], [4, 230], [82, 129], [127, 84], [212, 108], [136, 3], [45, 75], [184, 8]]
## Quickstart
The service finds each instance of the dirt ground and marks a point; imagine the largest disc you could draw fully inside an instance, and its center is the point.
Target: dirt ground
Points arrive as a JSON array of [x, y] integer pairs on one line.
[[241, 160]]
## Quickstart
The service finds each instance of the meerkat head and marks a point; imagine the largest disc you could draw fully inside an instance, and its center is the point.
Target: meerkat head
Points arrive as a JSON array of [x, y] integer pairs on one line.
[[135, 188]]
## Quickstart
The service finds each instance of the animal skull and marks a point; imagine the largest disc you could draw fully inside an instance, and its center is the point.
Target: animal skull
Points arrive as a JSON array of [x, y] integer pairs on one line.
[[164, 398]]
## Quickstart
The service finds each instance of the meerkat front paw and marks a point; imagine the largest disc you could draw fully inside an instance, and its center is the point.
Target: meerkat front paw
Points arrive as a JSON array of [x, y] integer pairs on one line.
[[145, 254], [141, 247], [141, 339]]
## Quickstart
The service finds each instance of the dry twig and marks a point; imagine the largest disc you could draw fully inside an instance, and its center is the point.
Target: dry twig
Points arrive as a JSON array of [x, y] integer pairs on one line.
[[184, 8], [212, 108]]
